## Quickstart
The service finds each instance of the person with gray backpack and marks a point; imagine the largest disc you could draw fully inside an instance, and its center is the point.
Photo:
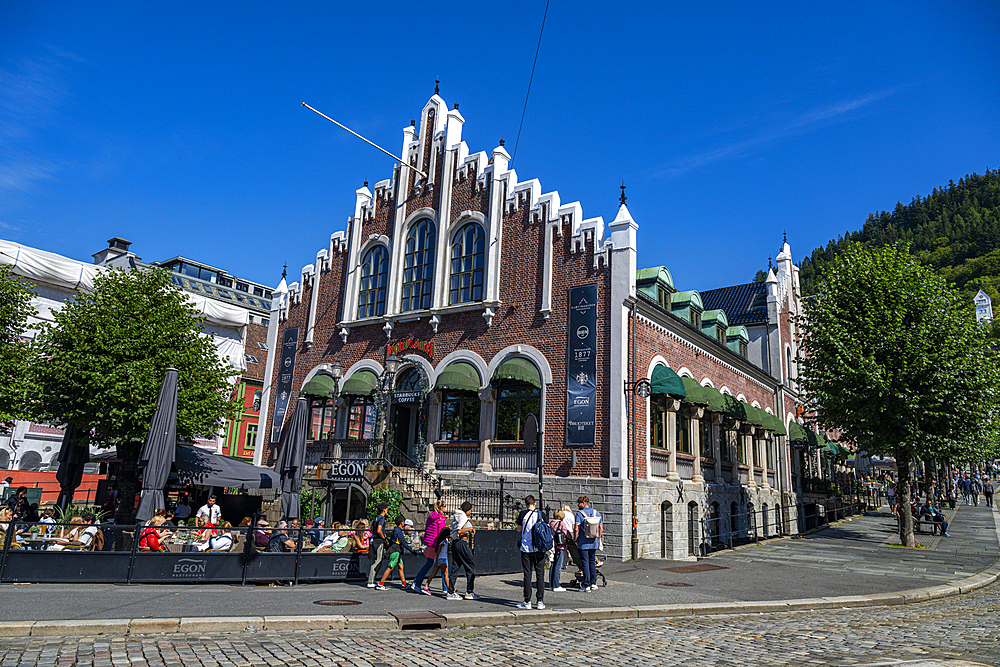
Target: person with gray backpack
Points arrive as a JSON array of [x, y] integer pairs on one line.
[[589, 530]]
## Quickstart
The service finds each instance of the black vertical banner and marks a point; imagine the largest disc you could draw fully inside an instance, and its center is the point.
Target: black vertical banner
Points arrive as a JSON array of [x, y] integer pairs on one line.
[[286, 365], [581, 380]]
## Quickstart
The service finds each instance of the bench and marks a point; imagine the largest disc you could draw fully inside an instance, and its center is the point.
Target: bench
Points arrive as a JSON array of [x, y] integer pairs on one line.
[[934, 526]]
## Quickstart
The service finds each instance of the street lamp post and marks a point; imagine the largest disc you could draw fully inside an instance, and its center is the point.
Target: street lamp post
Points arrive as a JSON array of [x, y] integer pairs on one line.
[[391, 366]]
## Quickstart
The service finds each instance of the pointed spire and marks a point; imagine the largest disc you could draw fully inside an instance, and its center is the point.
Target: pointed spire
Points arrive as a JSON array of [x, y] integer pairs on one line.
[[436, 89], [284, 271], [623, 197]]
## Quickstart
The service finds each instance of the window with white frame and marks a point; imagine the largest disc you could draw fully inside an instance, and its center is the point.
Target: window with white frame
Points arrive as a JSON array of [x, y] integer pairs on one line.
[[418, 267], [374, 278], [467, 257]]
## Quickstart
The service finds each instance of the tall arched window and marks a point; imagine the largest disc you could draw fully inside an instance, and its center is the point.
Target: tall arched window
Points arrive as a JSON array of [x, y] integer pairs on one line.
[[515, 401], [374, 276], [467, 251], [418, 267]]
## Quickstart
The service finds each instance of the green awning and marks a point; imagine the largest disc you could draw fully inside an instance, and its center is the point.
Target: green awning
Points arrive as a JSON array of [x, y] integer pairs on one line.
[[734, 408], [321, 386], [695, 393], [665, 381], [756, 416], [518, 369], [798, 433], [777, 425], [361, 383], [460, 376], [716, 399]]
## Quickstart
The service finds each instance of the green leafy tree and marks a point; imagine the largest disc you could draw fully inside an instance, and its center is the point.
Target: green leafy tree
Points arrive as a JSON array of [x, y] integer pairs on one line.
[[760, 276], [15, 350], [894, 360], [107, 353]]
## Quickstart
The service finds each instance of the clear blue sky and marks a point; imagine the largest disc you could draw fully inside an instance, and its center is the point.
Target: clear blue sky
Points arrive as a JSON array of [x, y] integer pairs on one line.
[[178, 126]]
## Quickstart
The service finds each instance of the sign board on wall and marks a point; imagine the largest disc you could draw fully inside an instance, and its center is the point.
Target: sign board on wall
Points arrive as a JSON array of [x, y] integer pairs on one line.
[[286, 370], [581, 381]]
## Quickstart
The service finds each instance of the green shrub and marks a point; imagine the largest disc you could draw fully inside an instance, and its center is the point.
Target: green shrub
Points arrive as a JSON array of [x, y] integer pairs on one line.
[[393, 498]]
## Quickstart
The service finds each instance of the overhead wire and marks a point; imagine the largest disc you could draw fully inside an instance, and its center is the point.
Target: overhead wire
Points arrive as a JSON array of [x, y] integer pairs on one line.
[[530, 79]]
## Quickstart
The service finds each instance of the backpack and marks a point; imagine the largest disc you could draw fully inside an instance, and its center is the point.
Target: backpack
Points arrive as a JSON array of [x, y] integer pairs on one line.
[[541, 535], [592, 525], [559, 537]]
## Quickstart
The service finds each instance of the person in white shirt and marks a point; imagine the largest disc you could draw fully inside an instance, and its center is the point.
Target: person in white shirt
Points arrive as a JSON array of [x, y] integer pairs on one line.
[[222, 541], [210, 511]]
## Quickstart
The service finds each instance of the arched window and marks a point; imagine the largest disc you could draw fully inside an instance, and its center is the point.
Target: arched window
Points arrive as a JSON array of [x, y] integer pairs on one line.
[[374, 277], [408, 380], [467, 252], [515, 401], [322, 419], [418, 267]]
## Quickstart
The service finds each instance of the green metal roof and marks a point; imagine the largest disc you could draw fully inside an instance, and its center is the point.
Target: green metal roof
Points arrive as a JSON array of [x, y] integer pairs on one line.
[[690, 297], [716, 317], [665, 381], [695, 393], [460, 376], [654, 274], [361, 383], [517, 368], [320, 385], [738, 332]]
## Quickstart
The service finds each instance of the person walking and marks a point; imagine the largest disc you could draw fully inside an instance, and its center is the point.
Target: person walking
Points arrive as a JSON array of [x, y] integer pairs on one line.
[[589, 530], [988, 492], [974, 490], [396, 543], [462, 555], [531, 557], [376, 546], [561, 534], [436, 520]]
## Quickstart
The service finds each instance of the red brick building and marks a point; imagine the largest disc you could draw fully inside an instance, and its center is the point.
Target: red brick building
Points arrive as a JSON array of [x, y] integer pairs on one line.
[[501, 301]]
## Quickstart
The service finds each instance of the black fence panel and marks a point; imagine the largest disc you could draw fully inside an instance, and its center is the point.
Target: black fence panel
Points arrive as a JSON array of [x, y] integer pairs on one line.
[[162, 568], [66, 566]]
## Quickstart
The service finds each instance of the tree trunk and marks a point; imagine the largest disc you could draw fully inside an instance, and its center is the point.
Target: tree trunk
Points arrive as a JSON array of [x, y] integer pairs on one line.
[[906, 537], [127, 483]]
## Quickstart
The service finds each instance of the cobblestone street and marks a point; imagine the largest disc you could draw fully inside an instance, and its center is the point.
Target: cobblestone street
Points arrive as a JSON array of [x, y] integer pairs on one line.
[[964, 627]]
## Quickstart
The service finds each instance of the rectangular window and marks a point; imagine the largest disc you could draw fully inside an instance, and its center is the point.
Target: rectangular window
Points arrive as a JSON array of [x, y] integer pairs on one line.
[[705, 438], [251, 440], [726, 448], [243, 287], [769, 448], [460, 416], [656, 438], [683, 435], [743, 349], [265, 322], [267, 294], [695, 318], [741, 449], [258, 291], [225, 282]]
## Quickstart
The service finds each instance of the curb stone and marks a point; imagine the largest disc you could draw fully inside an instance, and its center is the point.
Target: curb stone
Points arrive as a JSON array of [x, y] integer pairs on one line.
[[148, 626], [220, 623], [70, 628], [335, 622], [16, 628]]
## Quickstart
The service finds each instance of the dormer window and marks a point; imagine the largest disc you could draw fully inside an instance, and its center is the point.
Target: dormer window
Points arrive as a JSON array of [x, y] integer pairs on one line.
[[720, 335]]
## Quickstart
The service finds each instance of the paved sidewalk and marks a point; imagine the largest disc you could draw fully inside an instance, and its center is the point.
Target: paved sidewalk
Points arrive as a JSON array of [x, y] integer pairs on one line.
[[852, 562]]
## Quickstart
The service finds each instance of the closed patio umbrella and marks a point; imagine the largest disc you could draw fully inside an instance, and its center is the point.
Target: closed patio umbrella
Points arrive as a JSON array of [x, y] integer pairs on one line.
[[292, 460], [73, 455], [158, 453]]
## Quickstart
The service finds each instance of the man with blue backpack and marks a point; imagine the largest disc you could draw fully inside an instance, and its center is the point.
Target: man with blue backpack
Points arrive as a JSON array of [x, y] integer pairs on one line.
[[536, 540]]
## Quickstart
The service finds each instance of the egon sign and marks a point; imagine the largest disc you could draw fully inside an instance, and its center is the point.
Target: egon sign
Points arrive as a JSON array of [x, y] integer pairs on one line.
[[350, 471], [189, 568]]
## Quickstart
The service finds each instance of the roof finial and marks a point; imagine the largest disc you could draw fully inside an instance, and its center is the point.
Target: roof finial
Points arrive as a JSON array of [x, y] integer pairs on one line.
[[284, 271], [769, 267], [413, 123], [623, 197], [784, 237], [366, 184], [501, 140], [436, 89]]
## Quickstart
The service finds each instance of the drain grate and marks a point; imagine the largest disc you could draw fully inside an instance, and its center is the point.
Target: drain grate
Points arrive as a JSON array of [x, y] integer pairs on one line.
[[418, 620], [673, 583], [699, 567], [337, 603]]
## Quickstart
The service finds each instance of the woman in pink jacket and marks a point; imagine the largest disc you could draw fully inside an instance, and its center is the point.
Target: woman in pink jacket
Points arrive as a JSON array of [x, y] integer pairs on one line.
[[435, 522]]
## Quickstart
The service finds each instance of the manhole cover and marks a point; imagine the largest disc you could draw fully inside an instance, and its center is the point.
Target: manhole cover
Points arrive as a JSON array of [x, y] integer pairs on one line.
[[337, 603], [699, 567], [673, 583]]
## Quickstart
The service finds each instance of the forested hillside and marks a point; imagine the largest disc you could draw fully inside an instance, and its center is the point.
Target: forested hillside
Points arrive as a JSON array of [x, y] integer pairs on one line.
[[955, 230]]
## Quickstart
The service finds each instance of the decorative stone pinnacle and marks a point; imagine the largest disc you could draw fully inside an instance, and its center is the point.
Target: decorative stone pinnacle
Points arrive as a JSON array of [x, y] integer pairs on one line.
[[623, 197]]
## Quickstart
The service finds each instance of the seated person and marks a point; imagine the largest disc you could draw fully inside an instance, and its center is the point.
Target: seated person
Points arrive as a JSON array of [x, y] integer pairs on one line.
[[930, 513], [79, 537], [221, 541], [280, 542], [151, 536], [262, 535], [336, 541]]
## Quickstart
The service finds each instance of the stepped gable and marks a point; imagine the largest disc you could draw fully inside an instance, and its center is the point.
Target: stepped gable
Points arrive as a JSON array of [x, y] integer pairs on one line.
[[743, 304]]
